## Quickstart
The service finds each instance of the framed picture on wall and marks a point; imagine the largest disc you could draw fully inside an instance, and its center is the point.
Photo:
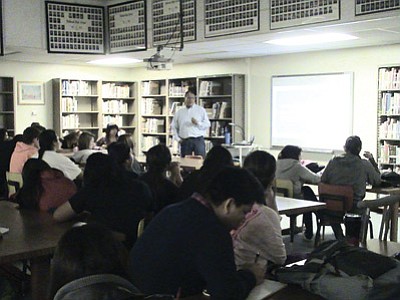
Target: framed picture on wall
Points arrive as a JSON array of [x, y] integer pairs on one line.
[[30, 92]]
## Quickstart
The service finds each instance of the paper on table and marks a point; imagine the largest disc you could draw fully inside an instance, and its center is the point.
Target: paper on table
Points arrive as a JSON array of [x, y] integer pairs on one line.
[[4, 230], [265, 289]]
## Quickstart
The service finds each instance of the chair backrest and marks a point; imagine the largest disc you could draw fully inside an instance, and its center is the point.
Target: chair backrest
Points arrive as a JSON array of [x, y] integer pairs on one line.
[[338, 198], [284, 188], [14, 182]]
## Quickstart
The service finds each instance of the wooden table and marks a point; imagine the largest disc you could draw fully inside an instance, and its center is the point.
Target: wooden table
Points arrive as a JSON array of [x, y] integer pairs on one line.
[[394, 209], [33, 235], [292, 207]]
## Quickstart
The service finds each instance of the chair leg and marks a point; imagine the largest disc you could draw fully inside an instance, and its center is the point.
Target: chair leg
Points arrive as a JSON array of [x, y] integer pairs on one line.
[[323, 232], [371, 231], [317, 233], [292, 227]]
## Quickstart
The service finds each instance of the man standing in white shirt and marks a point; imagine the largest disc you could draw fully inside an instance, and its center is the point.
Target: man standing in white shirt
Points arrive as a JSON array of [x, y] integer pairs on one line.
[[189, 126]]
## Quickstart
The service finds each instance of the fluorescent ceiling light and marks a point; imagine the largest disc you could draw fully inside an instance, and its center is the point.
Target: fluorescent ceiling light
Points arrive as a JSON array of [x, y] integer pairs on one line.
[[312, 39], [115, 61]]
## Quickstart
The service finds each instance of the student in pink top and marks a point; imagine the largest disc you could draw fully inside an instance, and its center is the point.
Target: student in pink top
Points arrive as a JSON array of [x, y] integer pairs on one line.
[[259, 237], [24, 150]]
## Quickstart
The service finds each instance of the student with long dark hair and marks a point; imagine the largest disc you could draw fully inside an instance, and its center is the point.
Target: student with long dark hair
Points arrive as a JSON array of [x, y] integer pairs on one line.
[[216, 159], [89, 263], [44, 188], [85, 148], [110, 198], [260, 232], [49, 144], [158, 160], [290, 168], [110, 137]]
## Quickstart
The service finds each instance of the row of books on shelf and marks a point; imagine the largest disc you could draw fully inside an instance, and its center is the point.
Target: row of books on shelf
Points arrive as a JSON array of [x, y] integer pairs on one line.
[[69, 104], [389, 129], [113, 120], [78, 88], [151, 106], [218, 110], [112, 90], [115, 107], [390, 103], [209, 88], [175, 106], [153, 88], [389, 78], [389, 154], [70, 121], [148, 142], [153, 126], [177, 90], [217, 129]]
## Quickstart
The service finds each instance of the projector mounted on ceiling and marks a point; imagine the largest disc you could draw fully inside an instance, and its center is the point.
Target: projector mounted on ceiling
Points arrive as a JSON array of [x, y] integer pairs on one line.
[[158, 62]]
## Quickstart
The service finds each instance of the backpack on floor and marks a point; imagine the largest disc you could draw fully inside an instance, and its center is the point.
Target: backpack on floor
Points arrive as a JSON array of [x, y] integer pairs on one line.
[[337, 270]]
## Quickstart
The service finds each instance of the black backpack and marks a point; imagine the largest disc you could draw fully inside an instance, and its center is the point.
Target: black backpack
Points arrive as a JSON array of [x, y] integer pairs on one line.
[[337, 270]]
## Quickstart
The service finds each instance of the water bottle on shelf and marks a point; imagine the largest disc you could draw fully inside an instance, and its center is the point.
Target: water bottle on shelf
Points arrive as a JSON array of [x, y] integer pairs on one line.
[[227, 137]]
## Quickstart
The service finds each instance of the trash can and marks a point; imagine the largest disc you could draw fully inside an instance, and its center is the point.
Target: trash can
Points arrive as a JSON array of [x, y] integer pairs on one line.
[[352, 222]]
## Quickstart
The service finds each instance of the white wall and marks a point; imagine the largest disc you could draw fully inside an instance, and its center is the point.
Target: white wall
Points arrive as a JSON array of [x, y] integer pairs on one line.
[[364, 62]]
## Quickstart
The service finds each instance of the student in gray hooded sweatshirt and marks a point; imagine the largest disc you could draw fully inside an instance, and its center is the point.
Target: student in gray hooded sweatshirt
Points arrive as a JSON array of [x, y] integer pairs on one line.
[[288, 167]]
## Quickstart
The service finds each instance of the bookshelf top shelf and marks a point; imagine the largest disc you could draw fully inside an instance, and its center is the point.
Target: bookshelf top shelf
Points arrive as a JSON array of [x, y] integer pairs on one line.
[[88, 96], [215, 96], [118, 98]]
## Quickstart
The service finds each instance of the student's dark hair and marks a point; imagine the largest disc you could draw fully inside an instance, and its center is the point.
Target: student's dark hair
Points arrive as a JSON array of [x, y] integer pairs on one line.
[[100, 171], [262, 165], [158, 158], [237, 183], [127, 139], [38, 126], [29, 134], [84, 140], [29, 195], [109, 128], [353, 145], [46, 141], [17, 138], [290, 151], [3, 133], [119, 152], [192, 90], [70, 140], [84, 251]]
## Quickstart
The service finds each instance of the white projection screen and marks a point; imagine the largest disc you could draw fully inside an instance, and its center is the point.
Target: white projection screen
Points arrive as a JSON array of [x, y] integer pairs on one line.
[[314, 112]]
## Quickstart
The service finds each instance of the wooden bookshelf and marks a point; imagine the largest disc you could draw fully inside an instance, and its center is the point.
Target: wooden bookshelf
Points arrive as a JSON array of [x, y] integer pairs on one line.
[[7, 106], [389, 117]]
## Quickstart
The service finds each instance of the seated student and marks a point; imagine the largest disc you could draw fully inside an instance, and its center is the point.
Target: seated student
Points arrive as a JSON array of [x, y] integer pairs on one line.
[[216, 159], [350, 169], [6, 150], [89, 263], [122, 155], [187, 247], [44, 188], [27, 148], [49, 144], [85, 148], [70, 141], [110, 137], [289, 167], [109, 197], [260, 232], [127, 139], [164, 191]]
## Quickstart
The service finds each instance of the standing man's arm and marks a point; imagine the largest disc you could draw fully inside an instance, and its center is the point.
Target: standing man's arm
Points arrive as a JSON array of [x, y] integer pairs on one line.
[[203, 123]]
